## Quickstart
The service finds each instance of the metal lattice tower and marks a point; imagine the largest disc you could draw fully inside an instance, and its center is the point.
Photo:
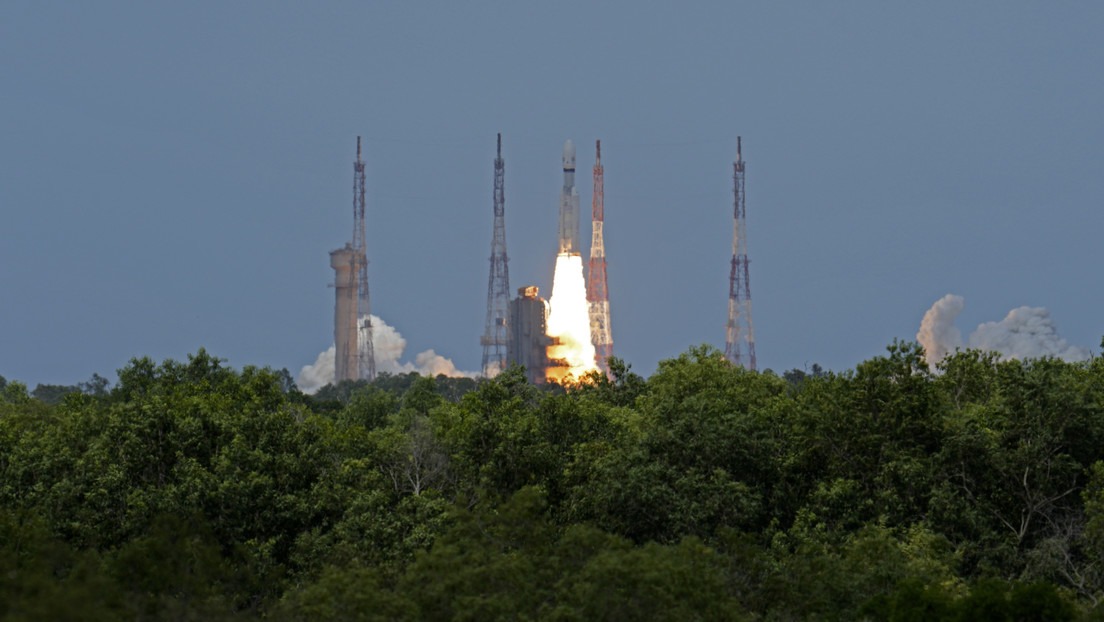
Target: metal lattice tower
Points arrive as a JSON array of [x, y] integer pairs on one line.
[[739, 334], [496, 333], [597, 292], [366, 356]]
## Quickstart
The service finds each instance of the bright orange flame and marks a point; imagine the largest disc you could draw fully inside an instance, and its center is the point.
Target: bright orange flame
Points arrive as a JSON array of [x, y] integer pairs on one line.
[[572, 353]]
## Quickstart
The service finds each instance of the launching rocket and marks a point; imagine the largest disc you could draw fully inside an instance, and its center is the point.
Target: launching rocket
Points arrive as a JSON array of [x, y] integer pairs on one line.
[[569, 204]]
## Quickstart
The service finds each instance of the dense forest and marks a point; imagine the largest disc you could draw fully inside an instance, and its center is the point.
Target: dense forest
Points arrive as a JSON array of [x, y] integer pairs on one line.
[[194, 491]]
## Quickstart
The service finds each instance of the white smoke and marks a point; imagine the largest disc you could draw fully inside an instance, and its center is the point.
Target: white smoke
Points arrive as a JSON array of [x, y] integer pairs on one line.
[[1026, 332], [938, 334], [493, 369], [314, 377], [388, 345]]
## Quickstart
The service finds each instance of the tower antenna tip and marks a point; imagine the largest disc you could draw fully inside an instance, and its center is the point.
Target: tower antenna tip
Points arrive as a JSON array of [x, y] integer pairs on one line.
[[358, 147], [500, 144], [738, 147], [598, 149]]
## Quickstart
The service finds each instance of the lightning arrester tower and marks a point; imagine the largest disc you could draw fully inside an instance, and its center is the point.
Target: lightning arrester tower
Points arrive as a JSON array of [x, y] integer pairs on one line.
[[496, 333], [739, 334], [597, 292], [366, 356]]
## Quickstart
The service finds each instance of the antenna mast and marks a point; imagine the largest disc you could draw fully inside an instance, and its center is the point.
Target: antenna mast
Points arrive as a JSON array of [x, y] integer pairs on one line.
[[366, 356], [739, 334], [495, 334], [597, 292]]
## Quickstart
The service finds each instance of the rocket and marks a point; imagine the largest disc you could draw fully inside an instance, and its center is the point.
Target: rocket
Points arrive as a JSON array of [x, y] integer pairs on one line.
[[569, 204]]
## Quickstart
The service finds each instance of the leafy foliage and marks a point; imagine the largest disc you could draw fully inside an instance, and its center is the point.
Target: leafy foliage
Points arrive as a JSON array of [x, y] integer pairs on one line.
[[190, 490]]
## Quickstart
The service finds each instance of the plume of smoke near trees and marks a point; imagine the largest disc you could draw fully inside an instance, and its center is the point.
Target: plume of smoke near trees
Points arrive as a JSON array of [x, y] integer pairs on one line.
[[1026, 332], [938, 334], [388, 345]]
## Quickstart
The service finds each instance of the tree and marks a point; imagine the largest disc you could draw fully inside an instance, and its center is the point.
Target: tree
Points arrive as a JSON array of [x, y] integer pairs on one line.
[[193, 490], [620, 388], [43, 578], [684, 581], [174, 571], [1013, 465], [699, 456], [413, 458], [52, 393], [345, 594], [490, 565], [866, 438], [14, 392]]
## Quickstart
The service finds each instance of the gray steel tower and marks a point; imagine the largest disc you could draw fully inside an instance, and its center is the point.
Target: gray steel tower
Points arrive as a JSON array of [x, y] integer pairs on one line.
[[366, 354], [738, 332], [495, 334]]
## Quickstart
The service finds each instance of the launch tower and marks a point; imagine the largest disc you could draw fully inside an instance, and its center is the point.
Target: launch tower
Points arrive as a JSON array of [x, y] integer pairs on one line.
[[495, 334], [345, 319], [597, 292], [366, 354], [739, 335], [354, 355], [528, 345]]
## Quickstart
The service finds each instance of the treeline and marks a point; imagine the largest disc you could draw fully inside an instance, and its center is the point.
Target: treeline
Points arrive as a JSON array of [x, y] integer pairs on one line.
[[193, 491]]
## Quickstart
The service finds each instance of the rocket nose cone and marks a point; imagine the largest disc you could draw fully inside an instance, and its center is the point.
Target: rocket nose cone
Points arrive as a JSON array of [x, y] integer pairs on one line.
[[569, 153]]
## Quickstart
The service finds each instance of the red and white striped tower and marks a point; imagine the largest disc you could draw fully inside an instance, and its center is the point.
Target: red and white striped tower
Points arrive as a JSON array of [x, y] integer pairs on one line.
[[739, 335], [597, 292]]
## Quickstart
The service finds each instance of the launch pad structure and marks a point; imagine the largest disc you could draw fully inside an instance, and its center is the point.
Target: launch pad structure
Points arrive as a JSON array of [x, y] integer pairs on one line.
[[516, 332], [528, 343], [496, 334], [597, 292], [739, 334], [345, 335], [354, 355]]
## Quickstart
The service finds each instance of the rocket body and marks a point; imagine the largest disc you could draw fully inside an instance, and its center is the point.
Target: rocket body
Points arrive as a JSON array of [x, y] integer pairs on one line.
[[569, 204]]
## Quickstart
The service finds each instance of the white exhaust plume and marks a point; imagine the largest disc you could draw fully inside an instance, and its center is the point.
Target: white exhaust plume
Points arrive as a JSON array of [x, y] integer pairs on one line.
[[321, 373], [569, 322], [388, 345], [1026, 332]]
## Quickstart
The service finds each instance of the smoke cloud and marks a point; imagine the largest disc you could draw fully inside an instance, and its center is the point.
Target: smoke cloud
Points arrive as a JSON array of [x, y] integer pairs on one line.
[[1026, 332], [321, 373], [388, 345], [493, 369], [938, 334]]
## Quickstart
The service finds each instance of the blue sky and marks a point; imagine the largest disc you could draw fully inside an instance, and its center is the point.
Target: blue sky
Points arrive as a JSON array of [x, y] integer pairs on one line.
[[172, 176]]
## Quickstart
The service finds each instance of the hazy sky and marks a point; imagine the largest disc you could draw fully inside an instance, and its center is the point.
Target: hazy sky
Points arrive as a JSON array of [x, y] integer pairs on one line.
[[173, 175]]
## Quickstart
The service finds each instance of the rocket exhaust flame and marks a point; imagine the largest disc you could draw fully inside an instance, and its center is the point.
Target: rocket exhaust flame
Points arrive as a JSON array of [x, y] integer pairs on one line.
[[572, 354]]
